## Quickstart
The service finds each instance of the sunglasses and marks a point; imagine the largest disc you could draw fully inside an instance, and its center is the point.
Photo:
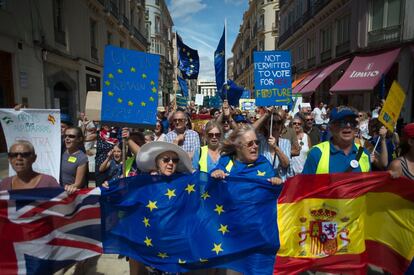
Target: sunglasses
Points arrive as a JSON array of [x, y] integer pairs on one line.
[[346, 123], [70, 136], [168, 159], [309, 119], [296, 123], [251, 143], [179, 120], [22, 154], [214, 135]]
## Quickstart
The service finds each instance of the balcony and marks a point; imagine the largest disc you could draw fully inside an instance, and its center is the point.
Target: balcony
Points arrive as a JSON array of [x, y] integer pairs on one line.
[[342, 48], [138, 36], [326, 55], [384, 35], [310, 13]]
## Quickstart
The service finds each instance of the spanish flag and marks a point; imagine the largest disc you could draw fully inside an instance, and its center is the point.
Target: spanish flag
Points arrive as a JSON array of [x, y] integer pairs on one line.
[[341, 223]]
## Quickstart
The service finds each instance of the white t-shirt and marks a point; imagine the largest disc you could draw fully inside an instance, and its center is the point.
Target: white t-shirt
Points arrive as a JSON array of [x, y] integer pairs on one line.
[[319, 113]]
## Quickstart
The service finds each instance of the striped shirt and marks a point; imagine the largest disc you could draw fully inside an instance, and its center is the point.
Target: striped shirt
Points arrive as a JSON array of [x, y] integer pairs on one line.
[[285, 147], [191, 141]]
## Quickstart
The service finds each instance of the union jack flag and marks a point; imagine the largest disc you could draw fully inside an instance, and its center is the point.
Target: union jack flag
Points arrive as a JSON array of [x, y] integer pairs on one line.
[[44, 230]]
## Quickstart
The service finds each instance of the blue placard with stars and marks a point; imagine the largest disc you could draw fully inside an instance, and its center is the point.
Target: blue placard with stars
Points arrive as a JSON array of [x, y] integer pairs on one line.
[[130, 87], [272, 78], [186, 222]]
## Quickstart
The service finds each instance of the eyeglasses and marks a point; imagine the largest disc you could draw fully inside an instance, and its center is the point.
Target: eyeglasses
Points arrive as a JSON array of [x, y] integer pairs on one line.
[[22, 154], [168, 159], [212, 135], [178, 120], [70, 136], [251, 143], [296, 123], [309, 119]]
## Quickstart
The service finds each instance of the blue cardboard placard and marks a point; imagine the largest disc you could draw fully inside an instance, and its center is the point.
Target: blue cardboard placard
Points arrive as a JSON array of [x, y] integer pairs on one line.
[[130, 87], [272, 78]]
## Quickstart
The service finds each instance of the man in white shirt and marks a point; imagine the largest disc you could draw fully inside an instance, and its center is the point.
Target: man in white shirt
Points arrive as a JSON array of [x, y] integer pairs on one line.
[[319, 114]]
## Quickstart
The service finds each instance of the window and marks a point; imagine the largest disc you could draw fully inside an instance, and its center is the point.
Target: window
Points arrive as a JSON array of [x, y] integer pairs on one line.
[[311, 47], [3, 4], [60, 35], [300, 53], [108, 38], [385, 13], [342, 30], [157, 24], [277, 19], [121, 43], [92, 33], [326, 39], [157, 2], [131, 17]]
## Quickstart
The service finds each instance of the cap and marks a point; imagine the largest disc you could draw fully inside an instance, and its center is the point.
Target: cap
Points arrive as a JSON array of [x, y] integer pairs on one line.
[[409, 130], [341, 112], [239, 118], [65, 118]]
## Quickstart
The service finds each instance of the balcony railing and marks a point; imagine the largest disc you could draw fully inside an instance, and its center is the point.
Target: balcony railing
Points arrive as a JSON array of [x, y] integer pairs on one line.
[[384, 35], [342, 48], [138, 36], [326, 55], [310, 13]]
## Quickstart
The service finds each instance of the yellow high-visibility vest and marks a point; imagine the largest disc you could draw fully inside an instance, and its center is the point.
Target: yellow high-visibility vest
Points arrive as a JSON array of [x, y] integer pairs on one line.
[[323, 165], [203, 158]]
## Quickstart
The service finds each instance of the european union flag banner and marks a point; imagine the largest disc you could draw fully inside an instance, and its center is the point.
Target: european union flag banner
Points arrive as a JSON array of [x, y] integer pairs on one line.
[[187, 222], [183, 86], [232, 92], [188, 60], [130, 90], [220, 62], [44, 230]]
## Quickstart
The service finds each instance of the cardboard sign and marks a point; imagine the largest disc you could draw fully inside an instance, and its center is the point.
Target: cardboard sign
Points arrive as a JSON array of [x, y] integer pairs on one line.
[[130, 87], [93, 105], [272, 78], [391, 110], [247, 104], [199, 99]]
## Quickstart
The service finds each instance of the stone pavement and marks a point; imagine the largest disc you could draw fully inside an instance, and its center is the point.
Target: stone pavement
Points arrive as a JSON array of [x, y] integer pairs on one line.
[[107, 264]]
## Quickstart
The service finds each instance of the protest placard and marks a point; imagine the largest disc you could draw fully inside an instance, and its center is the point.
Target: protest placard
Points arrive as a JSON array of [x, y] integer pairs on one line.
[[130, 90], [199, 99], [40, 127], [392, 106], [247, 104], [272, 78]]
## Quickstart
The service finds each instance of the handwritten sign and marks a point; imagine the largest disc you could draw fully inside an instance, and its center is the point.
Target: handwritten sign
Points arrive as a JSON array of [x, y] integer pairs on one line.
[[40, 127], [392, 106], [272, 78], [130, 87]]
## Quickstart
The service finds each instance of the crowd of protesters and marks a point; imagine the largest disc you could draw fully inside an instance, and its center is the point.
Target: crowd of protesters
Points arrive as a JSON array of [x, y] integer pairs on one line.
[[230, 141]]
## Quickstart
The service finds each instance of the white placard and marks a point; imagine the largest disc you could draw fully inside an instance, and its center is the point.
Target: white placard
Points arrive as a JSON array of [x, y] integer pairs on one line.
[[42, 128], [199, 100]]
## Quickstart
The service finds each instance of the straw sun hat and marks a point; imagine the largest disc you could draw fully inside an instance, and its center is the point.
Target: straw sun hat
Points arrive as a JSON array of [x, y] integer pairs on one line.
[[149, 152]]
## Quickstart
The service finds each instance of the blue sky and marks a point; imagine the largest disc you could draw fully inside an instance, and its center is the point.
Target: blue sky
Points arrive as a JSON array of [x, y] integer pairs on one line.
[[200, 24]]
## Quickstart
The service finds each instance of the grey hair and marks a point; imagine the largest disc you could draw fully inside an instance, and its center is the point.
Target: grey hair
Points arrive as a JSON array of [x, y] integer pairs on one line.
[[229, 145], [26, 143]]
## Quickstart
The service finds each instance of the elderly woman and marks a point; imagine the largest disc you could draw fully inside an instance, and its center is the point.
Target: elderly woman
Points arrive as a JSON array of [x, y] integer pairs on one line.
[[21, 157], [208, 156], [240, 157], [304, 143], [160, 158], [404, 165]]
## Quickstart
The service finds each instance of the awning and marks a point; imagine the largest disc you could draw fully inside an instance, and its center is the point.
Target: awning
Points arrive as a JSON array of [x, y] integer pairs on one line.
[[308, 79], [322, 75], [299, 79], [365, 72]]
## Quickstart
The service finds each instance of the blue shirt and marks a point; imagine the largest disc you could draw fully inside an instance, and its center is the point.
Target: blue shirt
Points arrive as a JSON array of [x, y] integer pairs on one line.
[[210, 163], [261, 168], [285, 147], [338, 161]]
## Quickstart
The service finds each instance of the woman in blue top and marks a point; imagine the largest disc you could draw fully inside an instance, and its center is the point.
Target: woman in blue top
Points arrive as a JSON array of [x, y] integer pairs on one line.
[[240, 157]]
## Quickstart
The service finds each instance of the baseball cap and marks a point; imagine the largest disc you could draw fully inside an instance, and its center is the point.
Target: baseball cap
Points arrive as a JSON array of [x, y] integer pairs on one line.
[[341, 112]]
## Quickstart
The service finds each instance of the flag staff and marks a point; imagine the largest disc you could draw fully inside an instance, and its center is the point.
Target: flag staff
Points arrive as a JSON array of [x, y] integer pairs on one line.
[[225, 61]]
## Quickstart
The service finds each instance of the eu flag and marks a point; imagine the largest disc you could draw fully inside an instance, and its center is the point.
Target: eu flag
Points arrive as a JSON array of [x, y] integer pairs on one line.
[[232, 92], [183, 86], [188, 60], [187, 222], [220, 62]]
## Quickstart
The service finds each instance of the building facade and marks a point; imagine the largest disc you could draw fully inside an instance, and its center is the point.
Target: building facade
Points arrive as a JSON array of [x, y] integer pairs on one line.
[[327, 33], [159, 28], [258, 32], [230, 65], [51, 51], [207, 88]]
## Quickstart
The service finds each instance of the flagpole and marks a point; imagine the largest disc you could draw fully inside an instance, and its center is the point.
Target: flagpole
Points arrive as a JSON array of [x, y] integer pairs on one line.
[[225, 60]]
